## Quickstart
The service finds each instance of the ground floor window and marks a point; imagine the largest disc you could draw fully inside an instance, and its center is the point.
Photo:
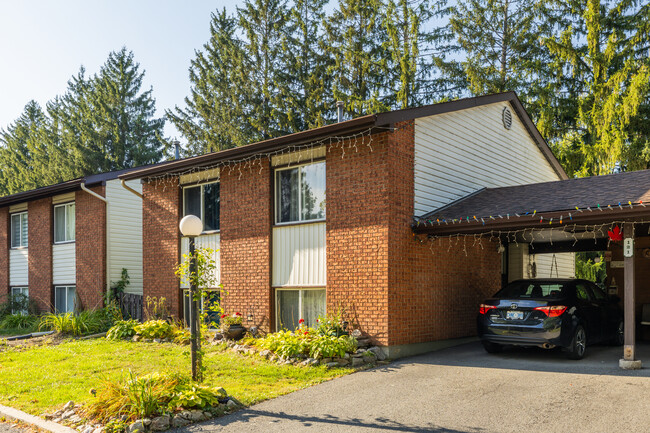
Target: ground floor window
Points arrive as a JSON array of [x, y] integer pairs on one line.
[[295, 304], [64, 299], [208, 303], [19, 300]]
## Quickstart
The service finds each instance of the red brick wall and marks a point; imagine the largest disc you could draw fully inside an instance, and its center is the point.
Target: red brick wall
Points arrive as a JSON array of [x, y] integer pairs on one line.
[[4, 252], [246, 242], [357, 234], [161, 242], [434, 290], [90, 248], [40, 220]]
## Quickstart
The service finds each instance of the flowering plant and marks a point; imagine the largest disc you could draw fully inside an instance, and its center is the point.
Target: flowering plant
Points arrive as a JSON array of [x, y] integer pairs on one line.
[[227, 321]]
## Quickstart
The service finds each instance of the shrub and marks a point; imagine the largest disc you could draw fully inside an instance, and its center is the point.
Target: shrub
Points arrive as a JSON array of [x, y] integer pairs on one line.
[[306, 341], [122, 329], [285, 343], [86, 322], [16, 303], [63, 323], [133, 397], [328, 346], [155, 329], [18, 321], [332, 324]]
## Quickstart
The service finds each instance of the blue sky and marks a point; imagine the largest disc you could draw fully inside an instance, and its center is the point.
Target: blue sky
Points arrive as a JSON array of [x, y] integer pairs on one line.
[[44, 42]]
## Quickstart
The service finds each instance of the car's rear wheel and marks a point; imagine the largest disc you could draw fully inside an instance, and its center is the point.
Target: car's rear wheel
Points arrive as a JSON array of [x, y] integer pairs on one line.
[[578, 344], [492, 347], [619, 337]]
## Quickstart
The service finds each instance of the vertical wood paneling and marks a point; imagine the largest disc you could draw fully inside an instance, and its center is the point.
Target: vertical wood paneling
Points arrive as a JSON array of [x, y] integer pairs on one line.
[[124, 234], [517, 261], [64, 269], [299, 255], [212, 241], [18, 267], [461, 152]]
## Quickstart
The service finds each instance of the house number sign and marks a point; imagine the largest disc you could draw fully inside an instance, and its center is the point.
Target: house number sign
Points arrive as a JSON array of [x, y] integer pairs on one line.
[[628, 247]]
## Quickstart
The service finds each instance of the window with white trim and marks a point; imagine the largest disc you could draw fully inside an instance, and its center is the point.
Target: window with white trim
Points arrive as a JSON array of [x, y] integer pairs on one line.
[[65, 299], [295, 304], [20, 295], [204, 202], [300, 193], [19, 230], [64, 223], [210, 300]]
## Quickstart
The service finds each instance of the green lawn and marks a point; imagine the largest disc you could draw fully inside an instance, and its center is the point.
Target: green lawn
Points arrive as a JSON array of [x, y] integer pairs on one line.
[[42, 378]]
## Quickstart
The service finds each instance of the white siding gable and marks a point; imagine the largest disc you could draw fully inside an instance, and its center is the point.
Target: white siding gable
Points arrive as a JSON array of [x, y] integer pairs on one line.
[[124, 234], [461, 152]]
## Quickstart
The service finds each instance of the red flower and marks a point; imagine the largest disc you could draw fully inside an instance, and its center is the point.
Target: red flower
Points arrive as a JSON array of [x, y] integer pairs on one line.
[[238, 314], [306, 332], [301, 321], [615, 235], [223, 316]]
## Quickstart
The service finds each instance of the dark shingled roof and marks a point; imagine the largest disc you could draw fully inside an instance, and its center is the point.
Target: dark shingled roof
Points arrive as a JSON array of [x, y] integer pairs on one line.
[[562, 196]]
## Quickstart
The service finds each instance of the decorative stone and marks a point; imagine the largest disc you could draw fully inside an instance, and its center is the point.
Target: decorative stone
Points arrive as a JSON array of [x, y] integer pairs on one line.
[[357, 362], [312, 361], [186, 414], [378, 353], [363, 342], [99, 430], [136, 427], [67, 414], [136, 338], [74, 419], [207, 415], [196, 415], [326, 360], [179, 421], [88, 429], [265, 353], [145, 421], [331, 364], [69, 405], [305, 363], [231, 404], [157, 340], [343, 362], [356, 333], [160, 423]]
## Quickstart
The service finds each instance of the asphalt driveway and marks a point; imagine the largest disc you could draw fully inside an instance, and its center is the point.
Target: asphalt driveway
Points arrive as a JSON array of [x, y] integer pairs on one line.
[[463, 389]]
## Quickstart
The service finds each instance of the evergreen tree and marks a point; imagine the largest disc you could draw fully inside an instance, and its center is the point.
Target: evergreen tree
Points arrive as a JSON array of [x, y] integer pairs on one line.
[[357, 42], [601, 59]]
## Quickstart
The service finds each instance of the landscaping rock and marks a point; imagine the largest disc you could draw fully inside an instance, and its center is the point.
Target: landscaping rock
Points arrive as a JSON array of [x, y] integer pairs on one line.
[[179, 421], [363, 342], [207, 415], [378, 353], [357, 362], [67, 414], [69, 405], [326, 360], [145, 421], [265, 353], [218, 336], [99, 430], [88, 429], [136, 338], [343, 362], [196, 415], [157, 340], [332, 364], [74, 419], [313, 361], [136, 427], [305, 363], [160, 423], [356, 333], [186, 414]]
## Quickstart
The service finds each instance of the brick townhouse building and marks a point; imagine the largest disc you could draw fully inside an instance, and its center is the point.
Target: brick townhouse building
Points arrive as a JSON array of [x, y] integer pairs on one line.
[[320, 221], [62, 245]]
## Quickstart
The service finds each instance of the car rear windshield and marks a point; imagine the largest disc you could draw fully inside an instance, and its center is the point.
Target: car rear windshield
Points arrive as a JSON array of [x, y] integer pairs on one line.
[[532, 289]]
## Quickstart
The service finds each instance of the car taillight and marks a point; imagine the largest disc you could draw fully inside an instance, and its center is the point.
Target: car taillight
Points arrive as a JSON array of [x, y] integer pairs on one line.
[[554, 311], [484, 308]]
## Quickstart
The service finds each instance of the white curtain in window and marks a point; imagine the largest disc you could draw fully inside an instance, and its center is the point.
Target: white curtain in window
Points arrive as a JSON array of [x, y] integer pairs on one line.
[[70, 222], [313, 306]]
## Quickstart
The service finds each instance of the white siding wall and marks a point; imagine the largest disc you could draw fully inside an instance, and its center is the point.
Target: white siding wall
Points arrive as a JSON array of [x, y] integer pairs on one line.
[[18, 268], [204, 241], [517, 261], [124, 234], [63, 264], [566, 267], [461, 152], [299, 255]]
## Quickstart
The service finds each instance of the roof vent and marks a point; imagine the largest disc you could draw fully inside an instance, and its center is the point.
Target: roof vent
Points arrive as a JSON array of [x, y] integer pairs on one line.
[[507, 118]]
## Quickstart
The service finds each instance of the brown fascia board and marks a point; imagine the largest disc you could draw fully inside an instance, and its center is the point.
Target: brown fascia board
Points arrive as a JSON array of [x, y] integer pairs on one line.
[[46, 191], [347, 127], [465, 103], [527, 222]]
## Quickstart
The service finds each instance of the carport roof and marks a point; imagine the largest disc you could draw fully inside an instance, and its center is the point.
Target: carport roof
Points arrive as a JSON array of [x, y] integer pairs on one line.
[[598, 199]]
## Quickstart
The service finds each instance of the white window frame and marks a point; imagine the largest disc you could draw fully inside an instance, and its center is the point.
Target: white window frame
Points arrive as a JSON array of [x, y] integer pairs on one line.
[[65, 223], [67, 292], [20, 232], [275, 194], [202, 216], [300, 290], [23, 290]]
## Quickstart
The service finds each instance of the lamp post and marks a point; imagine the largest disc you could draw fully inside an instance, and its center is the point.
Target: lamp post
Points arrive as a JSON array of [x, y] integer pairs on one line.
[[191, 227]]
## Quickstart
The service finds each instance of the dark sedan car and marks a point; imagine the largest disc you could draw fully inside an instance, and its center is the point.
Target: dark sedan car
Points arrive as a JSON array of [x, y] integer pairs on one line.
[[549, 313]]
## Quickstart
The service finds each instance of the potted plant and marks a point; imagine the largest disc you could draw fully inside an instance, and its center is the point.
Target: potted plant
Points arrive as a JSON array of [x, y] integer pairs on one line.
[[231, 326]]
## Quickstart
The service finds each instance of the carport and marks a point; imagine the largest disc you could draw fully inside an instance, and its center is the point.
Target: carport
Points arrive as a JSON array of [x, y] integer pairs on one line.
[[601, 213]]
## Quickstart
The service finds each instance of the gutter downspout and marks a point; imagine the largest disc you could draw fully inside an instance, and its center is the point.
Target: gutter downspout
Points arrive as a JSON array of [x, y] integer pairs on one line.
[[128, 188], [94, 194]]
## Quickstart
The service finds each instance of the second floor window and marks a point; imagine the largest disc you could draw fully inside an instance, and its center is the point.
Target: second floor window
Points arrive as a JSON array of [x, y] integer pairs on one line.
[[19, 230], [300, 193], [64, 223], [203, 201]]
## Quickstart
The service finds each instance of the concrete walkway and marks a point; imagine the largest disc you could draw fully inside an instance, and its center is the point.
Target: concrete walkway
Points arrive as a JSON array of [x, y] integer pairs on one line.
[[463, 389]]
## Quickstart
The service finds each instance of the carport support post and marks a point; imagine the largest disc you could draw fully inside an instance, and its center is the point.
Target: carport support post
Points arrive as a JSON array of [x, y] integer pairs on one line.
[[628, 361]]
